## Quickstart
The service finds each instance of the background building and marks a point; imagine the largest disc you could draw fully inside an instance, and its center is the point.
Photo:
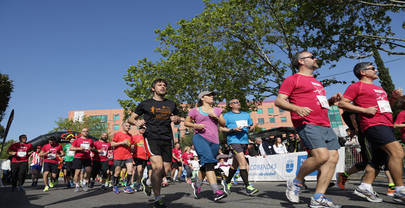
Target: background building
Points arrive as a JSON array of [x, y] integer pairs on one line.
[[266, 116]]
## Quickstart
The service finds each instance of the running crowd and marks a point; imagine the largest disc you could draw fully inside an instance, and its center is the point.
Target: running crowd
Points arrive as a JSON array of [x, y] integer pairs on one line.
[[121, 162]]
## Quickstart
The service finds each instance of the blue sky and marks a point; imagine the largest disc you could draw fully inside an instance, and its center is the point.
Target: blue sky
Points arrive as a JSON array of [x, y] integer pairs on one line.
[[72, 55]]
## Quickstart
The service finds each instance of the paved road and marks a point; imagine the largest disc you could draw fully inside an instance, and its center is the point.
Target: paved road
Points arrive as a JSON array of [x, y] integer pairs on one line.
[[179, 196]]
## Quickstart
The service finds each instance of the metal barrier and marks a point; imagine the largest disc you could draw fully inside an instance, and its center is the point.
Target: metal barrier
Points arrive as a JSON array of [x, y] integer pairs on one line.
[[352, 155]]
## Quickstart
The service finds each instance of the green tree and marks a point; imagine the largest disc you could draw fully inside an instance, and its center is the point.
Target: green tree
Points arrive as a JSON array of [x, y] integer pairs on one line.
[[245, 48], [8, 143], [6, 87], [96, 126]]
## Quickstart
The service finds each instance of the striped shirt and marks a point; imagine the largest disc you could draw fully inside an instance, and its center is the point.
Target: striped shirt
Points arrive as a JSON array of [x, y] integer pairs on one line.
[[36, 159]]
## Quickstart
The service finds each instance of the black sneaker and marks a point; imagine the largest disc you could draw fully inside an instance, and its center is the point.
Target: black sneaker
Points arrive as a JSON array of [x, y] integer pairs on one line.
[[159, 204], [146, 189], [219, 194]]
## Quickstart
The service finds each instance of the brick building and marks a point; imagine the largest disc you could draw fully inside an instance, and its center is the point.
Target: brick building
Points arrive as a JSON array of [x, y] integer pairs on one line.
[[266, 116]]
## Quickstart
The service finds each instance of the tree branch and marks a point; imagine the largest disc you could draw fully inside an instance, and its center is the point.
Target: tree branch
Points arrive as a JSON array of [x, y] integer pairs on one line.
[[398, 4]]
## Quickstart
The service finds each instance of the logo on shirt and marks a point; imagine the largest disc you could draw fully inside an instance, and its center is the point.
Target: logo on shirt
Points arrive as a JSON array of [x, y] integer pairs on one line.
[[161, 113]]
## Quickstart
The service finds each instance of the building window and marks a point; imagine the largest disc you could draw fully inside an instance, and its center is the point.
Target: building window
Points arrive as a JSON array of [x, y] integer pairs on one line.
[[259, 111], [283, 119], [270, 110], [116, 127], [103, 118], [272, 120], [260, 120], [116, 117]]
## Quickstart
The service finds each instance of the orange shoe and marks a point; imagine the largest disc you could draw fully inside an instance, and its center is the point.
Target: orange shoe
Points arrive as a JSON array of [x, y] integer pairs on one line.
[[341, 180], [390, 192]]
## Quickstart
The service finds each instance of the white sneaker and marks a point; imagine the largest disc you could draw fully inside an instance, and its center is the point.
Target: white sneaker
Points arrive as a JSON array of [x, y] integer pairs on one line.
[[292, 192], [322, 202], [399, 196], [370, 196]]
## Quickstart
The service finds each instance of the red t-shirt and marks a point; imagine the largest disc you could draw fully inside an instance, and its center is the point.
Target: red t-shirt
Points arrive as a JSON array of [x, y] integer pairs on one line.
[[52, 157], [104, 146], [186, 157], [368, 95], [122, 152], [22, 151], [177, 153], [139, 147], [400, 120], [306, 91], [87, 144]]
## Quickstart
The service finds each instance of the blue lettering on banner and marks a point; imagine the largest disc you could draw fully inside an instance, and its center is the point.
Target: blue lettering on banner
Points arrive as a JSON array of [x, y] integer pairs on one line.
[[263, 169], [289, 166], [300, 160]]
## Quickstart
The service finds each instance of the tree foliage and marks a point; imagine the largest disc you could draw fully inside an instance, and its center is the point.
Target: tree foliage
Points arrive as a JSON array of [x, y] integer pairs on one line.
[[6, 87], [7, 144], [244, 49], [95, 125]]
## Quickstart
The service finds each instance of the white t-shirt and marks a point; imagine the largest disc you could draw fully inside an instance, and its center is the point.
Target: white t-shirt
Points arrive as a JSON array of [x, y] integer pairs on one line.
[[280, 149], [195, 164]]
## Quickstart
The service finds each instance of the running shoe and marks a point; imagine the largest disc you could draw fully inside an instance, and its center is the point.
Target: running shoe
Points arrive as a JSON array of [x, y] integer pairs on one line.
[[399, 196], [371, 196], [390, 192], [91, 184], [219, 194], [341, 180], [21, 188], [85, 187], [196, 190], [128, 190], [292, 192], [51, 185], [46, 189], [250, 190], [77, 189], [322, 202], [165, 184], [225, 187], [116, 190], [159, 204], [146, 189]]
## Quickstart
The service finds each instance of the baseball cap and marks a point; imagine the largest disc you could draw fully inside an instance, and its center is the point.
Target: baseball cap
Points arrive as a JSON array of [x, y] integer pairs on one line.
[[204, 93], [291, 135]]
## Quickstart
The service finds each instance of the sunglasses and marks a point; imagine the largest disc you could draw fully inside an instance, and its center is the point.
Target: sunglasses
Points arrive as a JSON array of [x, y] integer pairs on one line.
[[371, 68], [311, 57], [234, 102]]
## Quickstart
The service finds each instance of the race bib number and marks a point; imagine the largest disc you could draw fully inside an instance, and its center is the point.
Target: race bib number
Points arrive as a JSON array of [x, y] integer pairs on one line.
[[384, 106], [52, 156], [85, 146], [242, 123], [71, 153], [323, 101], [21, 154]]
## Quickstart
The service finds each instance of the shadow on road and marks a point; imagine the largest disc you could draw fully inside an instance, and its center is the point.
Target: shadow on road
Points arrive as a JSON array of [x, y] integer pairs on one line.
[[16, 199]]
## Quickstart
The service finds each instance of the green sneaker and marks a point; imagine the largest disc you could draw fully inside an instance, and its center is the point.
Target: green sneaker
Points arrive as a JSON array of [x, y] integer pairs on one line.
[[159, 204], [46, 189], [50, 184], [250, 190]]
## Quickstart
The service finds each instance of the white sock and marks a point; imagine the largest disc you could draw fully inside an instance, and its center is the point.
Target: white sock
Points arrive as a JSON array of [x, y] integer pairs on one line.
[[366, 186]]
